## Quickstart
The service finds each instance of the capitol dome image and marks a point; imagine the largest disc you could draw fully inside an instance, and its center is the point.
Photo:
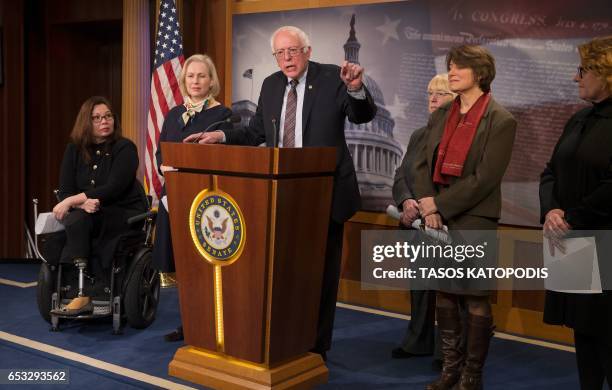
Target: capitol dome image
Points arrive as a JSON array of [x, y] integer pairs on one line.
[[375, 152]]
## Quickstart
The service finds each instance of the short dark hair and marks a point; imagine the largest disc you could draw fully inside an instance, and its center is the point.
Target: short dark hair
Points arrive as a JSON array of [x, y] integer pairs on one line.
[[477, 58]]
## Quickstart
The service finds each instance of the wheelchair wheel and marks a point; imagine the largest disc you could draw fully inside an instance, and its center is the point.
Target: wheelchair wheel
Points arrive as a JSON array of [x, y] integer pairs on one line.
[[45, 290], [141, 292]]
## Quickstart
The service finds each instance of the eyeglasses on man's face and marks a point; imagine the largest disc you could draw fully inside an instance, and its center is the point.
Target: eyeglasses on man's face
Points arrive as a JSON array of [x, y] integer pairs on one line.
[[98, 118], [293, 52]]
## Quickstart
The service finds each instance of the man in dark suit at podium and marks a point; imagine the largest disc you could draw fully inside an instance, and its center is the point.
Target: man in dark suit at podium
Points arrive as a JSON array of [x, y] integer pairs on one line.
[[306, 104]]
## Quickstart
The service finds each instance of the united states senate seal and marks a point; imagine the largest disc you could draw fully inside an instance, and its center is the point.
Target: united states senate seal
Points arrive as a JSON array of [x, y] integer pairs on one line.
[[217, 227]]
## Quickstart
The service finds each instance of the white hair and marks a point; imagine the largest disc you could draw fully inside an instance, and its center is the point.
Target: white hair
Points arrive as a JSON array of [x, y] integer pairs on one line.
[[302, 36]]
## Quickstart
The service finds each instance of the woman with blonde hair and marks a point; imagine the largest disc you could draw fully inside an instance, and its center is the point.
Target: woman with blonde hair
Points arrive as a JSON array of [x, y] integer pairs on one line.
[[576, 194], [420, 338], [199, 84]]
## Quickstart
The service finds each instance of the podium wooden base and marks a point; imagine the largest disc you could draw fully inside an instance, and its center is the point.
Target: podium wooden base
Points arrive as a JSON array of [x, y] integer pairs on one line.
[[221, 372]]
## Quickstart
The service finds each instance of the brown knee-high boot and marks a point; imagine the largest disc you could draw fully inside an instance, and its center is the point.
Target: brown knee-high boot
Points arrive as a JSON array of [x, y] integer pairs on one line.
[[480, 331], [452, 357]]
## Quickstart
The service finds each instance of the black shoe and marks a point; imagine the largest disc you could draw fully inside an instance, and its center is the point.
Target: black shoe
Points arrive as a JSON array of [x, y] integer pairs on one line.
[[322, 353], [176, 335], [399, 353], [436, 365], [324, 356]]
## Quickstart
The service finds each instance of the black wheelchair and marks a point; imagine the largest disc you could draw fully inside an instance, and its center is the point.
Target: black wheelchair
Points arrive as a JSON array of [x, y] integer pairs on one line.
[[128, 292]]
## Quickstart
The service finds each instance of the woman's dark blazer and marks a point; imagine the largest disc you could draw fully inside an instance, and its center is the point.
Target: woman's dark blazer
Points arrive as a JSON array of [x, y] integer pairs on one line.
[[110, 176]]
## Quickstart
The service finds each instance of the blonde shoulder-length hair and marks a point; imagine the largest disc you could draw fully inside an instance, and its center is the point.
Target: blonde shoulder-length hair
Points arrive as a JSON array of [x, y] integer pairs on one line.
[[596, 55], [215, 88]]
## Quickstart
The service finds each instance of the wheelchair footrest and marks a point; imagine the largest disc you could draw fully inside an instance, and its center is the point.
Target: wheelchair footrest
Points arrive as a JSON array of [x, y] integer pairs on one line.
[[100, 309]]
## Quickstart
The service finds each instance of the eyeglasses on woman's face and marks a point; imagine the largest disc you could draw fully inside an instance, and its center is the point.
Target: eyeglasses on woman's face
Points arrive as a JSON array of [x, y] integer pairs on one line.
[[98, 118], [437, 94]]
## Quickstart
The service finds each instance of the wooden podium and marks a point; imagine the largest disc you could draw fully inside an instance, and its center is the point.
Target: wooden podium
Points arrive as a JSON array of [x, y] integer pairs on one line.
[[249, 229]]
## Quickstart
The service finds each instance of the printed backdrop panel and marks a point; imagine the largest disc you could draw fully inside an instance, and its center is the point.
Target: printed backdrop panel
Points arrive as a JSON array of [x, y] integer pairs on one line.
[[402, 45]]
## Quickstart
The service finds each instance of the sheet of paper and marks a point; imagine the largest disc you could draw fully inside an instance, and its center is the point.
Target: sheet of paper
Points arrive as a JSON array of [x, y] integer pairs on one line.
[[46, 223], [576, 271]]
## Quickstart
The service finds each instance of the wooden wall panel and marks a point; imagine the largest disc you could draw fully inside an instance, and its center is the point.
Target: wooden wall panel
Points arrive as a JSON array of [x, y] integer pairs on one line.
[[12, 140], [81, 60], [252, 6], [528, 254], [73, 51], [78, 11], [56, 54], [207, 28]]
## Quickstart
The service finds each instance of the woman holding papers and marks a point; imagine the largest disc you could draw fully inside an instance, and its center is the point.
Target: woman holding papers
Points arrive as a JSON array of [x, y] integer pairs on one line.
[[98, 191], [576, 194], [457, 182], [420, 335], [199, 85]]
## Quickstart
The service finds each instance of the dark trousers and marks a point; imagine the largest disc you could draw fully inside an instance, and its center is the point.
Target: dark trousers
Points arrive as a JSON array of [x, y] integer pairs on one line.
[[594, 360], [80, 228], [420, 335], [163, 258], [329, 291]]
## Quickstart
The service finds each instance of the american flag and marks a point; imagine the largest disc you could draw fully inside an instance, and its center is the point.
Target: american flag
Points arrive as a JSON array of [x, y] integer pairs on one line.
[[165, 92]]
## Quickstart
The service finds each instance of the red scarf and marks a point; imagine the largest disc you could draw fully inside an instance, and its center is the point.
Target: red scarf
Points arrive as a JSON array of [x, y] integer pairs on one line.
[[457, 138]]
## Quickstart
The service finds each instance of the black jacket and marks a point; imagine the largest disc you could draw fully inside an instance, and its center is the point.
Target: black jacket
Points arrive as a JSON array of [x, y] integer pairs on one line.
[[404, 174], [326, 106], [110, 176], [578, 180]]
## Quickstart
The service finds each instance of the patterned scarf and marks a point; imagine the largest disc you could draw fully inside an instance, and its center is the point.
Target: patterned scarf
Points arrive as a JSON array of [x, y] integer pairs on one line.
[[193, 108], [457, 138]]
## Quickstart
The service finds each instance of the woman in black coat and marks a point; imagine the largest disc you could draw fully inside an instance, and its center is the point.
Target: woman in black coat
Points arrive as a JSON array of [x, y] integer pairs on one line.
[[200, 85], [576, 194], [98, 191]]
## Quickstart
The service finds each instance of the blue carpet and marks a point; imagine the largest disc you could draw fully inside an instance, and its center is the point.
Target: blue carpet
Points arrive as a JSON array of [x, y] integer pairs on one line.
[[359, 359], [19, 272], [13, 356]]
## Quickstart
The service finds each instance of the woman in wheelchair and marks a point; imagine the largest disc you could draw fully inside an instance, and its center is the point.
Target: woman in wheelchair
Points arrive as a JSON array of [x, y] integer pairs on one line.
[[98, 192]]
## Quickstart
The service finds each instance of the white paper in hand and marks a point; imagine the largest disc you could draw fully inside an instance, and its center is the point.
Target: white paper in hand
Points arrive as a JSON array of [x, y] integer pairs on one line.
[[46, 223], [437, 234], [575, 271]]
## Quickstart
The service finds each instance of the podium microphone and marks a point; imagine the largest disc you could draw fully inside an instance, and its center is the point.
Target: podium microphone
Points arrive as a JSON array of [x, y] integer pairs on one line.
[[234, 118]]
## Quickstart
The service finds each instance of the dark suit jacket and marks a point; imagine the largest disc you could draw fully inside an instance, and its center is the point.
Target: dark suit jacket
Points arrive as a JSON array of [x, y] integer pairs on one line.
[[477, 193], [404, 174], [326, 105]]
